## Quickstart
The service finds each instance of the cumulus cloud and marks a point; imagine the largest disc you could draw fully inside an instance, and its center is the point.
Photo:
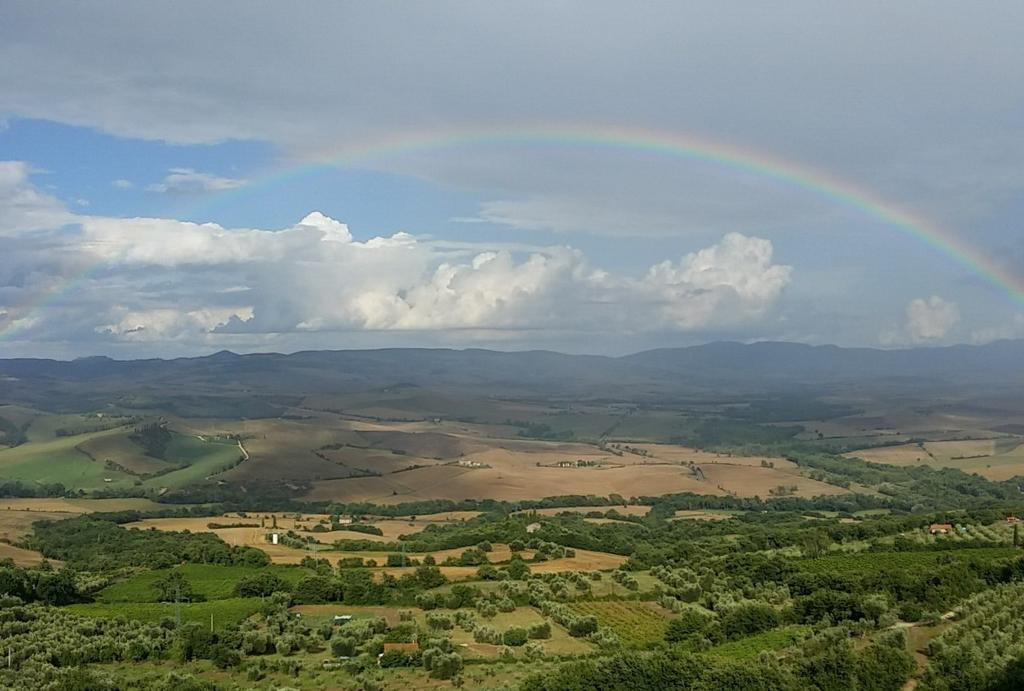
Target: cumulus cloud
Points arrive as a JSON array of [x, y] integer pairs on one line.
[[737, 275], [931, 319], [189, 181], [1013, 328], [155, 280], [926, 321], [122, 184], [168, 323], [23, 208]]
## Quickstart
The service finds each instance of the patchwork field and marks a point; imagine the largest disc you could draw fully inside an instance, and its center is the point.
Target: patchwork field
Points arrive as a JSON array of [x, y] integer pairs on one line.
[[78, 506], [528, 470], [202, 458], [92, 453], [902, 454], [996, 459], [18, 514], [58, 460], [119, 448], [681, 454], [256, 536]]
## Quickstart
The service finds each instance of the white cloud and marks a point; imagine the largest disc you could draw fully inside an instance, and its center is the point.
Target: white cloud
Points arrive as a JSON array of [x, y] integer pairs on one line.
[[926, 321], [931, 319], [1013, 328], [168, 323], [23, 208], [157, 280], [189, 181], [123, 184], [735, 275]]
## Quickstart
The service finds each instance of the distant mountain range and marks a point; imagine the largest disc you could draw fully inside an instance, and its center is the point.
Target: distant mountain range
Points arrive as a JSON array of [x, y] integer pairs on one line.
[[765, 365]]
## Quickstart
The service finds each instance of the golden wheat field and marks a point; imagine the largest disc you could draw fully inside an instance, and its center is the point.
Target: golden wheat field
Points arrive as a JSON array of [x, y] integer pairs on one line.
[[995, 459], [22, 557], [902, 454]]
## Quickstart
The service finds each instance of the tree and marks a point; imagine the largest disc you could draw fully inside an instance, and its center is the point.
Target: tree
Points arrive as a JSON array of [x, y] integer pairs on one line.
[[747, 619], [343, 646], [429, 576], [314, 589], [540, 631], [815, 543], [517, 568], [582, 626], [224, 657], [689, 622], [514, 637], [174, 587], [259, 584]]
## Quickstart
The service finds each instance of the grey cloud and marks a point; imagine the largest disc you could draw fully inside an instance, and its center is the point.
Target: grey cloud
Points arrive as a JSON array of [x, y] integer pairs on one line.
[[863, 90], [189, 181]]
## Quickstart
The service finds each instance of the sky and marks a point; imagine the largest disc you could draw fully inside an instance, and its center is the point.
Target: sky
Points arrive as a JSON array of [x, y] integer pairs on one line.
[[594, 177]]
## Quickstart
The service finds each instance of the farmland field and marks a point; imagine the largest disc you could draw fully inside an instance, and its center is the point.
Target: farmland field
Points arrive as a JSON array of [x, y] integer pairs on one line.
[[997, 459], [58, 460], [752, 646], [560, 643], [213, 582], [881, 561], [21, 556], [704, 515], [76, 505], [201, 457], [637, 624], [119, 448], [223, 612]]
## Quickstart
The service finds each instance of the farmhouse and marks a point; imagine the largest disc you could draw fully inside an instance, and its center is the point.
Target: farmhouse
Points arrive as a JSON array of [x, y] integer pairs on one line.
[[940, 528], [407, 648]]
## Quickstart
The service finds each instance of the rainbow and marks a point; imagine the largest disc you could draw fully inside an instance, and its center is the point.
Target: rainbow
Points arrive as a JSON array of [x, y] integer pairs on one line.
[[655, 143]]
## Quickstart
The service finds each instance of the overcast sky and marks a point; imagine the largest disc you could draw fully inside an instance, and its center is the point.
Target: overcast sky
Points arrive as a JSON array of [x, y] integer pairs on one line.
[[182, 177]]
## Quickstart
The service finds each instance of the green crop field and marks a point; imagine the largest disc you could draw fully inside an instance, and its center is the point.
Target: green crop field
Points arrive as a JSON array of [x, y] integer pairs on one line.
[[224, 612], [635, 623], [752, 646], [212, 581], [45, 427], [201, 457], [58, 460]]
